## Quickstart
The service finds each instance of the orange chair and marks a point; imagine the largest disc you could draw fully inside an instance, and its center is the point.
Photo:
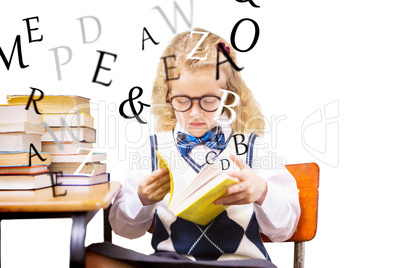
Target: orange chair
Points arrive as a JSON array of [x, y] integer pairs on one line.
[[307, 178]]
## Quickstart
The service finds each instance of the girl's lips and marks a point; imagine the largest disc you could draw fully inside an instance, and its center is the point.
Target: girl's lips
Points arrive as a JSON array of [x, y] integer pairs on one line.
[[194, 124]]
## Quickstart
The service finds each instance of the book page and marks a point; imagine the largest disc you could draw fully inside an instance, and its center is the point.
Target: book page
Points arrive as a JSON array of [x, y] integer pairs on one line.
[[211, 175], [177, 185], [200, 202]]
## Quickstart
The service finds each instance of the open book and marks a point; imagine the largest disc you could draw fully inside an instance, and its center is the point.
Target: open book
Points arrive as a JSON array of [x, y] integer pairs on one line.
[[195, 201]]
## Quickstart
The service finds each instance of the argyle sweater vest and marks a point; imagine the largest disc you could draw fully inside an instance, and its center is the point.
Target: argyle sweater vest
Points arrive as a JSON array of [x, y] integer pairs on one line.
[[234, 234]]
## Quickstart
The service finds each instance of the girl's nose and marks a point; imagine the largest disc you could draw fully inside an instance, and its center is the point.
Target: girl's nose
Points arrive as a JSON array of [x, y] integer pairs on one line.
[[195, 109]]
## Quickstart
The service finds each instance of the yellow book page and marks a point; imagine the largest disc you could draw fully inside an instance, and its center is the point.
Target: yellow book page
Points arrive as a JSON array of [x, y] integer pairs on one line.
[[55, 103], [162, 163], [203, 211]]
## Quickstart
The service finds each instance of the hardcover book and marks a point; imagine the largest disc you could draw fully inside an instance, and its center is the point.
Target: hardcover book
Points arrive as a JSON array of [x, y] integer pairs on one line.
[[55, 103], [23, 170], [66, 147], [195, 202], [82, 134], [71, 119], [20, 141], [25, 181], [95, 157], [17, 113], [89, 169], [82, 179], [21, 159]]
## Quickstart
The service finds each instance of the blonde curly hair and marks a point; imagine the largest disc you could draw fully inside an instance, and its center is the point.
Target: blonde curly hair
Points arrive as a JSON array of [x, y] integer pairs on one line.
[[248, 111]]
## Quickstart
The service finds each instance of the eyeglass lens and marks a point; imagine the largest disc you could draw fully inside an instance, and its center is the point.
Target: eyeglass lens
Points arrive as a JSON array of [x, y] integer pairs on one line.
[[207, 103]]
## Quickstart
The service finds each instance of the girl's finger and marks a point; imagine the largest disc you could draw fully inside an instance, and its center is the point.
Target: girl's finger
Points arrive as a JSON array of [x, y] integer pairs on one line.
[[228, 199], [236, 188], [157, 174], [239, 162], [159, 183], [237, 202], [162, 190], [238, 174]]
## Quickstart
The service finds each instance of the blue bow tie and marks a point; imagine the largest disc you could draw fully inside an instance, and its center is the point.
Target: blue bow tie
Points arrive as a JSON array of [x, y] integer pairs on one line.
[[214, 139]]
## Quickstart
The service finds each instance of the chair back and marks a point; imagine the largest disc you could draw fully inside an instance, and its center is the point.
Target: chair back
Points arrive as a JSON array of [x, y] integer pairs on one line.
[[307, 179]]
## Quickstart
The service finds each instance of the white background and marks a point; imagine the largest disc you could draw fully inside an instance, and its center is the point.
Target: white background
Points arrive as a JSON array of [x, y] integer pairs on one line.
[[328, 71]]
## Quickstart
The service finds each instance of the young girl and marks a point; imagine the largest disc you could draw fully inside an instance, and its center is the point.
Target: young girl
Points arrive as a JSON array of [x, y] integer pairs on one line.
[[186, 96]]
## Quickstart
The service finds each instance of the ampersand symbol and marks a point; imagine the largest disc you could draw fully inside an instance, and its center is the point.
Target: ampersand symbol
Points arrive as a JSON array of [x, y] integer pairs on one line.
[[130, 100], [250, 1]]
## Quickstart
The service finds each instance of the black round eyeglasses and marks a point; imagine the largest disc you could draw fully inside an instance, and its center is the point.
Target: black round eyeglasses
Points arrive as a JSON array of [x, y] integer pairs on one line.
[[183, 103]]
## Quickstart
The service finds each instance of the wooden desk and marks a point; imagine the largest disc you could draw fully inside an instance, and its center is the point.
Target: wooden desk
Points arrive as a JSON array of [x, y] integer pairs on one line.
[[80, 204]]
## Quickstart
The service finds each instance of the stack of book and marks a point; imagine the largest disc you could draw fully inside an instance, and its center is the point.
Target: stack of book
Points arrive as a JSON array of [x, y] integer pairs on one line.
[[69, 137], [21, 132]]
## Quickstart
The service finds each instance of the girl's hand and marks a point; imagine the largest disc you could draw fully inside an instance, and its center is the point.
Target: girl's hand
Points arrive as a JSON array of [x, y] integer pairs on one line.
[[251, 188], [153, 187]]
